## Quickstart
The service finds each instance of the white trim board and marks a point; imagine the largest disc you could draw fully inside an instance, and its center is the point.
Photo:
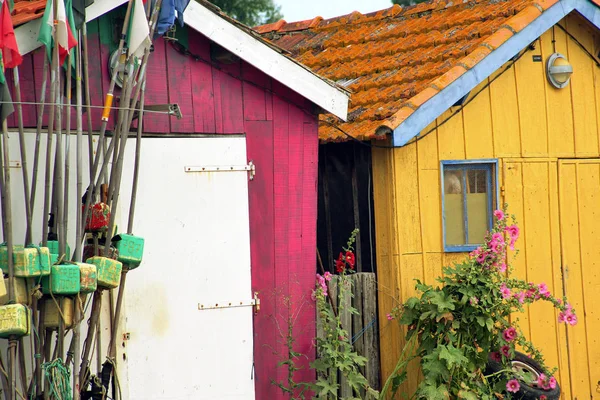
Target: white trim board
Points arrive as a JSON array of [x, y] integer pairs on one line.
[[244, 45]]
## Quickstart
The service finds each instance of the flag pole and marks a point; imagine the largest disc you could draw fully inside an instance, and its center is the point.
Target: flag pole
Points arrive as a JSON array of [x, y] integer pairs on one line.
[[22, 146], [77, 311], [106, 113], [40, 120], [88, 101], [105, 116], [140, 88], [67, 151], [7, 205]]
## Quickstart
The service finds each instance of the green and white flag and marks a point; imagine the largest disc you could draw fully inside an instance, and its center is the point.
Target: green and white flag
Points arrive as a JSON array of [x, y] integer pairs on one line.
[[138, 34]]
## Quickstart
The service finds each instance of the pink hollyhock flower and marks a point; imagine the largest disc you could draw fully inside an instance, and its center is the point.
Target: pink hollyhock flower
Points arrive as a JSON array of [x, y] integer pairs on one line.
[[481, 257], [506, 293], [552, 383], [474, 300], [568, 307], [327, 276], [502, 268], [543, 397], [543, 290], [498, 237], [499, 214], [475, 252], [390, 317], [505, 350], [495, 356], [520, 296], [509, 334], [513, 233], [542, 381], [513, 386], [561, 317], [496, 247], [571, 319]]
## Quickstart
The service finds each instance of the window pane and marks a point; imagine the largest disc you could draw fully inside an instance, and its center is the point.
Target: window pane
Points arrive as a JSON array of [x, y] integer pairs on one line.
[[477, 205], [454, 207]]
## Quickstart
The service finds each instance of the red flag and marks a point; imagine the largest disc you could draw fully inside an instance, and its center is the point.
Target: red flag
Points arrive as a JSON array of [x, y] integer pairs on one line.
[[8, 41]]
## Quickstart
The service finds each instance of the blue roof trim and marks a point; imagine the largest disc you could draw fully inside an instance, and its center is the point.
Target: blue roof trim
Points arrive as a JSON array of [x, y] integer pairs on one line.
[[438, 104]]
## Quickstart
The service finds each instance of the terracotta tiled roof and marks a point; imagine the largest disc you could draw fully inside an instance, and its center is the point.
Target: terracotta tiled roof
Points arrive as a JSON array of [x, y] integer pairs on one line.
[[395, 59], [27, 10]]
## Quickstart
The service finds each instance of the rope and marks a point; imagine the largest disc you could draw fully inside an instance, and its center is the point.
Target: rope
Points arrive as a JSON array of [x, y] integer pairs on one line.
[[58, 377], [363, 330]]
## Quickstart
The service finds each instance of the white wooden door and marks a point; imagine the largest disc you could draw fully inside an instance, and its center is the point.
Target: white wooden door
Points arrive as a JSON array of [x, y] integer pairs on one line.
[[197, 251]]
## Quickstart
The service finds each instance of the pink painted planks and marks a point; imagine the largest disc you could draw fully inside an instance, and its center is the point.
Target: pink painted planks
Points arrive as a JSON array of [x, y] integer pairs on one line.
[[179, 78], [260, 150]]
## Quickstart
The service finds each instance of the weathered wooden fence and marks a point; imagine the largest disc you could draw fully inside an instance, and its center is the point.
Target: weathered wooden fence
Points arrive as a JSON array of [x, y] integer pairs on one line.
[[361, 327]]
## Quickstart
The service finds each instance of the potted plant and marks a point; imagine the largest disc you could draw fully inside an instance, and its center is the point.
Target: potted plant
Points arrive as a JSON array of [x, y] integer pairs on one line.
[[463, 333]]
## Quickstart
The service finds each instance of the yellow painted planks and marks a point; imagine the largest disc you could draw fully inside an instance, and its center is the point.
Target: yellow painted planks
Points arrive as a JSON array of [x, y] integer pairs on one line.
[[561, 141], [571, 252], [505, 114], [582, 90], [451, 140], [513, 184], [532, 108], [407, 199], [588, 193], [537, 245], [478, 125]]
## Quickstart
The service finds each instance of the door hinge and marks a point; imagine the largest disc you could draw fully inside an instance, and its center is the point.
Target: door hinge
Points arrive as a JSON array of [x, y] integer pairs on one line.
[[250, 168], [255, 303]]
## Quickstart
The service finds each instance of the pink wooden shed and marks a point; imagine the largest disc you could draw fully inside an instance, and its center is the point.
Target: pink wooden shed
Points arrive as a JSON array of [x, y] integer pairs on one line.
[[227, 80]]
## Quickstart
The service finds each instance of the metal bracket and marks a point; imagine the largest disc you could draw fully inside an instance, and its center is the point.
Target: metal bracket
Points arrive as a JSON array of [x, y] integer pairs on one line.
[[171, 109], [255, 302], [251, 168]]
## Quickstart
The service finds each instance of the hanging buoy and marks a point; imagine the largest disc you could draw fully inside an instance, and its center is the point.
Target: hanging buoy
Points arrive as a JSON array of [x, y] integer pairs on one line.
[[21, 291], [52, 316], [29, 262], [53, 247], [109, 271], [63, 279], [88, 252], [98, 217], [131, 249], [89, 277], [14, 320]]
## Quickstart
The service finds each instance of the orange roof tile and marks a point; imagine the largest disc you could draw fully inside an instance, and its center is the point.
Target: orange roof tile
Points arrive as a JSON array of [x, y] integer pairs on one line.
[[27, 10], [396, 59]]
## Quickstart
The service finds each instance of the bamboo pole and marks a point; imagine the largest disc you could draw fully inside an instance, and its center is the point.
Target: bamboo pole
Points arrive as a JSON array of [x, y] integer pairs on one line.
[[40, 120], [106, 113], [7, 205], [88, 101], [77, 256], [89, 340], [28, 215], [67, 154]]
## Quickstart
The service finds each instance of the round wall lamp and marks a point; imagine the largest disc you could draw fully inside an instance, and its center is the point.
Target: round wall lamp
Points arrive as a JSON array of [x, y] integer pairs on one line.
[[558, 70]]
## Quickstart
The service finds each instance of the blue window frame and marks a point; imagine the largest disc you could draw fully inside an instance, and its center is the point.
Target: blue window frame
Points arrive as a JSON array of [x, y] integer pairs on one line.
[[469, 196]]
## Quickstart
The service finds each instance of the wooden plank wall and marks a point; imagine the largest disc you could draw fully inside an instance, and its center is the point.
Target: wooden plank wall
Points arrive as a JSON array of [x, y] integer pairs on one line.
[[362, 327], [528, 126], [282, 142]]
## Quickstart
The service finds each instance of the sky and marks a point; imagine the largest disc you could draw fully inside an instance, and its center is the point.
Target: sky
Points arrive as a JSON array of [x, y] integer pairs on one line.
[[298, 10]]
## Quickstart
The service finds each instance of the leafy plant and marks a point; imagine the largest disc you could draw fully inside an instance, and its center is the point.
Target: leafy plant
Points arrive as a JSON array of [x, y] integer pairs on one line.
[[334, 350], [459, 326]]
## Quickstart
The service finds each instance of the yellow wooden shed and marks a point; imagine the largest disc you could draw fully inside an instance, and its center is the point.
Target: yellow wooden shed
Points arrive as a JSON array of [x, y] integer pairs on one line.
[[467, 106]]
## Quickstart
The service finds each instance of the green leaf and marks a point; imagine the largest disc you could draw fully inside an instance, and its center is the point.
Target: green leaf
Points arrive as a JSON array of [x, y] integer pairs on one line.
[[467, 395], [452, 355], [442, 301]]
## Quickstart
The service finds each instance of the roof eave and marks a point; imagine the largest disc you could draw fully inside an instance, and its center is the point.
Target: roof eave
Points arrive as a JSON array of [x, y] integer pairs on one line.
[[424, 115], [241, 42], [257, 52]]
